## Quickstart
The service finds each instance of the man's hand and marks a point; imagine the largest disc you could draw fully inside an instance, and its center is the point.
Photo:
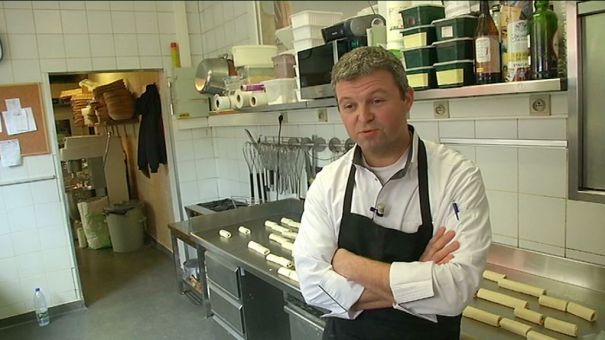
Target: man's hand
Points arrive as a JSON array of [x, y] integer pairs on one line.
[[440, 248]]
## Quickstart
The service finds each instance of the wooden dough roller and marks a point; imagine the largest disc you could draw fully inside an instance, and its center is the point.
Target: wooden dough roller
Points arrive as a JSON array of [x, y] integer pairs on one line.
[[581, 311], [501, 299], [288, 245], [493, 276], [515, 326], [529, 315], [521, 287], [277, 238], [243, 230], [224, 233], [258, 248], [282, 261], [482, 316], [552, 302], [289, 234], [561, 326], [533, 335], [288, 273]]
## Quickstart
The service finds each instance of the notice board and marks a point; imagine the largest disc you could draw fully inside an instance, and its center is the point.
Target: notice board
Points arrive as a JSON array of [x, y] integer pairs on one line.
[[33, 142]]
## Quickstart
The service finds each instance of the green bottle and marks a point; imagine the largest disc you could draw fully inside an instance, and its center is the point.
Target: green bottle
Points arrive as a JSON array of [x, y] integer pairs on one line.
[[544, 41]]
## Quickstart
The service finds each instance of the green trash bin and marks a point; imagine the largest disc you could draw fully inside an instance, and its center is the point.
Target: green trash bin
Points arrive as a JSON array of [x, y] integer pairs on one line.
[[126, 223]]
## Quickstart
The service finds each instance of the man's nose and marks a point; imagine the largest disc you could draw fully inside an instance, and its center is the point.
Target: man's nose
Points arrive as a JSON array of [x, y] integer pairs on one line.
[[365, 113]]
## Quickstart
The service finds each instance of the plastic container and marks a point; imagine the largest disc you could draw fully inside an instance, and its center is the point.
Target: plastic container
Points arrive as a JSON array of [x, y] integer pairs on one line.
[[280, 91], [422, 78], [455, 73], [254, 75], [41, 308], [126, 223], [421, 15], [454, 49], [307, 32], [419, 57], [463, 26], [316, 18], [418, 36], [283, 65], [306, 44], [253, 55]]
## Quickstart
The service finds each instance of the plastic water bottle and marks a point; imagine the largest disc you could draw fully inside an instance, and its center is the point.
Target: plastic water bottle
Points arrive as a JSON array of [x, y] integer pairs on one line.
[[41, 308]]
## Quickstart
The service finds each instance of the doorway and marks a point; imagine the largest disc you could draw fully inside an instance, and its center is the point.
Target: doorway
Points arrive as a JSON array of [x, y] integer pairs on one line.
[[101, 133]]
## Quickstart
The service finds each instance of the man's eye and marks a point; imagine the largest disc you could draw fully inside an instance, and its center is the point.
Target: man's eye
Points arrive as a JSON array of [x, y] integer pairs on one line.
[[348, 106], [377, 100]]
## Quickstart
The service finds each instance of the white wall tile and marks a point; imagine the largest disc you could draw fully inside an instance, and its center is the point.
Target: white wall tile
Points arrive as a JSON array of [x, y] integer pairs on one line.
[[151, 62], [126, 45], [97, 5], [53, 237], [186, 171], [149, 45], [503, 213], [44, 191], [72, 4], [468, 151], [11, 286], [586, 257], [543, 171], [193, 22], [19, 21], [191, 6], [182, 135], [146, 22], [23, 46], [499, 167], [21, 219], [165, 40], [542, 219], [99, 22], [6, 71], [28, 284], [456, 129], [77, 46], [195, 41], [164, 6], [44, 4], [204, 148], [558, 103], [17, 196], [492, 106], [60, 280], [53, 65], [122, 22], [60, 298], [8, 269], [184, 150], [166, 23], [13, 173], [51, 45], [189, 192], [39, 166], [74, 22], [208, 189], [205, 168], [128, 63], [144, 6], [122, 5], [48, 21], [6, 246], [496, 128], [57, 259], [4, 226], [29, 264], [586, 226], [101, 45], [25, 241], [427, 130], [79, 64], [2, 21], [506, 240], [49, 214], [546, 128], [541, 247], [104, 63], [26, 70]]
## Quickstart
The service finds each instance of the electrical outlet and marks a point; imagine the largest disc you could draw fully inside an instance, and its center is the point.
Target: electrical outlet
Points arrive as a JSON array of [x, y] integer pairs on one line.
[[539, 105], [322, 115], [441, 109]]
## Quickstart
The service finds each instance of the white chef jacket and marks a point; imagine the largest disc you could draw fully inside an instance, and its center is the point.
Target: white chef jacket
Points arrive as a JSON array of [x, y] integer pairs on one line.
[[420, 288]]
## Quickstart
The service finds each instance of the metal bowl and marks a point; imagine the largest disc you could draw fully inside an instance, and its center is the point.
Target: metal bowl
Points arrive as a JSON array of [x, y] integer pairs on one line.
[[211, 74]]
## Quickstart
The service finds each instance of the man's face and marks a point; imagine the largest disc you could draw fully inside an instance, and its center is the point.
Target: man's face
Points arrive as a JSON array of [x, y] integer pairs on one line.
[[374, 113]]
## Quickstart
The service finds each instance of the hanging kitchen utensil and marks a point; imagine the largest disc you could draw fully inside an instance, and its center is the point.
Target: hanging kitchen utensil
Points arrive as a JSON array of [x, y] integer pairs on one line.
[[211, 74], [248, 151]]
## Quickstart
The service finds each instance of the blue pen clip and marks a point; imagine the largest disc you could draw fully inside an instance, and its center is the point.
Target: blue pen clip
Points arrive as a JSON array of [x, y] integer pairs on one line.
[[456, 210]]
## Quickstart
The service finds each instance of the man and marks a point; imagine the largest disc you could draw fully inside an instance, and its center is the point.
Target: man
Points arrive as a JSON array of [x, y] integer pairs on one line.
[[369, 250]]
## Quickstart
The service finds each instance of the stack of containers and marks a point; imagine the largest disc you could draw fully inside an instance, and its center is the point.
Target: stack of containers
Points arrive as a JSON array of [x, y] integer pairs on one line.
[[455, 51], [418, 36]]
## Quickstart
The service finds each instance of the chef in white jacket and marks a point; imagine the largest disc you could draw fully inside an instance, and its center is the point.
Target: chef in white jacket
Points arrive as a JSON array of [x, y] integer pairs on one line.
[[395, 234]]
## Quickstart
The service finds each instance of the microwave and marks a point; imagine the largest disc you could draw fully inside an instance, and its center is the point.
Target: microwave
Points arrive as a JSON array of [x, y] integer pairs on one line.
[[315, 66]]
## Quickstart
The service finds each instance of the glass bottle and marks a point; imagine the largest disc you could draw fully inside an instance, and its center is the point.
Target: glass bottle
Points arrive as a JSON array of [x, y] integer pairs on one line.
[[487, 48], [544, 41]]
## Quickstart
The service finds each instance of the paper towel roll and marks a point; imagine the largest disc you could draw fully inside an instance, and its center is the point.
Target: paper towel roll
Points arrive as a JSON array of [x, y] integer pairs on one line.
[[258, 99], [222, 103], [242, 98], [214, 101]]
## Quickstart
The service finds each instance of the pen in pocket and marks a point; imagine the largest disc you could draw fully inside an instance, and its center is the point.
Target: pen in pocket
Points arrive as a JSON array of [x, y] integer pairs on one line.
[[456, 210]]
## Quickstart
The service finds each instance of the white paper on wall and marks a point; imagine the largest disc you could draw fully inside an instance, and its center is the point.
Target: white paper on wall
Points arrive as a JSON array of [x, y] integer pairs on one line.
[[19, 121], [10, 153], [13, 104]]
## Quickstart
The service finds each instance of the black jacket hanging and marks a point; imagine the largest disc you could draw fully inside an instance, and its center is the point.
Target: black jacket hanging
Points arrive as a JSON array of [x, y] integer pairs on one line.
[[152, 145]]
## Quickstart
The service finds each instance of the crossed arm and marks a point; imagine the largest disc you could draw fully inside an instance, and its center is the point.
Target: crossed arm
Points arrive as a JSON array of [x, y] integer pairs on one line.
[[374, 275]]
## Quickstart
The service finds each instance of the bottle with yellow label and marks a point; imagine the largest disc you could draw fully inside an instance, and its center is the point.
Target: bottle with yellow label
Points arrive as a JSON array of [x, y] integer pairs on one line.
[[487, 48]]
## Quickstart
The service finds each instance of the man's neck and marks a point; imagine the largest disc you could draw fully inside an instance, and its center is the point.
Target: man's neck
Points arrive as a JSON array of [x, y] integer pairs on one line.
[[388, 157]]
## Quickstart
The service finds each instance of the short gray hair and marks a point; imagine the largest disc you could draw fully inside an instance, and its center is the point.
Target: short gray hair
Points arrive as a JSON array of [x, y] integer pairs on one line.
[[366, 60]]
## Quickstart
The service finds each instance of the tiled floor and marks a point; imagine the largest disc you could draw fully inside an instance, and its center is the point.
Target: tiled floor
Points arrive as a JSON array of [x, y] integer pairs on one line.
[[129, 296]]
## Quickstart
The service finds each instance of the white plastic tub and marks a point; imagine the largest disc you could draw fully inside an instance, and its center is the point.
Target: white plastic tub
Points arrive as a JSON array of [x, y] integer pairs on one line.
[[305, 44], [307, 32], [253, 55], [317, 18], [280, 91]]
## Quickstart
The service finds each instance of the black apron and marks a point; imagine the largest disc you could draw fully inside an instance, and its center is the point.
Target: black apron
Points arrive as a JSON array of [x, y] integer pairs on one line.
[[360, 235]]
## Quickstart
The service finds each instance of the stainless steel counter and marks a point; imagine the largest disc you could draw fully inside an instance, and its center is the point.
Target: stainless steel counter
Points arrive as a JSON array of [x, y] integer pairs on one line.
[[566, 279]]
